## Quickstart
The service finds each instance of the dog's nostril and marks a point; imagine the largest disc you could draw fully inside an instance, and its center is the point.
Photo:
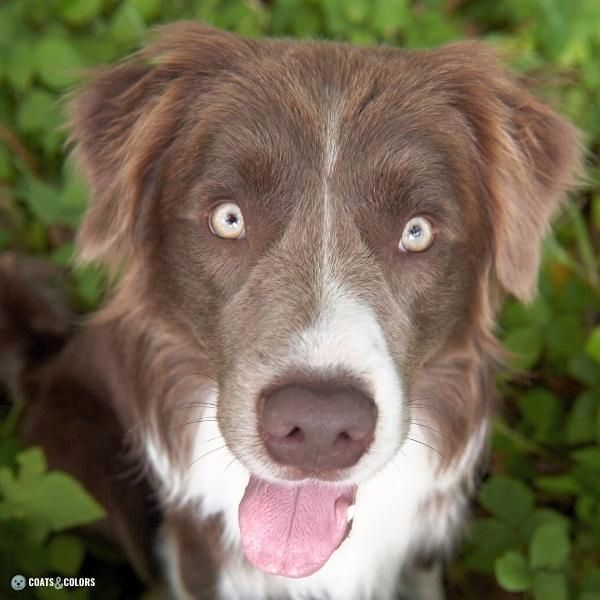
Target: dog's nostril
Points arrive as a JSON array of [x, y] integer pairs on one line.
[[317, 430], [295, 434]]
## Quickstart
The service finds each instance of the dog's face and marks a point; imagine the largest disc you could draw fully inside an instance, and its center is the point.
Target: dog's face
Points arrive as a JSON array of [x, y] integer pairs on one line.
[[333, 223]]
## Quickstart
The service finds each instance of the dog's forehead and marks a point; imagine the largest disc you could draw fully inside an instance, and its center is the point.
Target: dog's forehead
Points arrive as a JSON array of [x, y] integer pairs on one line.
[[341, 117]]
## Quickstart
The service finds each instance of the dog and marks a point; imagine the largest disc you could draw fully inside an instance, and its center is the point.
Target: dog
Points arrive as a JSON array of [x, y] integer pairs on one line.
[[309, 244]]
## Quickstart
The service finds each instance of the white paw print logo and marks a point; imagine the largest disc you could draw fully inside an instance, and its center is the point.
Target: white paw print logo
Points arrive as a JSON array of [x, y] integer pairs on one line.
[[18, 582]]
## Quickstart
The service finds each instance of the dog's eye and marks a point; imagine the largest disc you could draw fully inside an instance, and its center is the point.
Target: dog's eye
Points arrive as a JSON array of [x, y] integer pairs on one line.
[[417, 235], [226, 221]]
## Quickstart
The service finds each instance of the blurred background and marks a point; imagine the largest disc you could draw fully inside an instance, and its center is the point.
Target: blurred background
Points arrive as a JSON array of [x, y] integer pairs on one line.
[[536, 531]]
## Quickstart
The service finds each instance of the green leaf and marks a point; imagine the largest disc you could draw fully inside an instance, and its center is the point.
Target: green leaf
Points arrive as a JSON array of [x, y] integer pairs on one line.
[[525, 344], [356, 11], [584, 369], [488, 539], [8, 484], [148, 9], [558, 485], [541, 411], [55, 206], [38, 112], [591, 583], [516, 315], [90, 285], [592, 346], [512, 572], [5, 239], [62, 502], [66, 553], [73, 198], [6, 169], [388, 16], [510, 500], [550, 586], [99, 49], [32, 465], [127, 26], [580, 424], [42, 200], [588, 456], [64, 254], [57, 62], [549, 547], [596, 211], [20, 66], [564, 337], [79, 12], [35, 236], [539, 517], [587, 509], [9, 449]]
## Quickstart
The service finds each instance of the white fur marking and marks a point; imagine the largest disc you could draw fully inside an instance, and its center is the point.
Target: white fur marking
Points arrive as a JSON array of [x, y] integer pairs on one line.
[[347, 336], [388, 522]]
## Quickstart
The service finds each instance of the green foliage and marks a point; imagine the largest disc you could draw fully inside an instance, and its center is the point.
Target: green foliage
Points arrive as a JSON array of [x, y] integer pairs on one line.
[[36, 507], [537, 527]]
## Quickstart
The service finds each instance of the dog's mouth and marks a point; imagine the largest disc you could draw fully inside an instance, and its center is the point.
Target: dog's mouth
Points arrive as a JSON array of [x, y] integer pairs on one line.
[[293, 530]]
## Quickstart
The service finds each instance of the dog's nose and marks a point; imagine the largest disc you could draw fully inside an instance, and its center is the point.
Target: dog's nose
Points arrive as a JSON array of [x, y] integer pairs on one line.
[[317, 429]]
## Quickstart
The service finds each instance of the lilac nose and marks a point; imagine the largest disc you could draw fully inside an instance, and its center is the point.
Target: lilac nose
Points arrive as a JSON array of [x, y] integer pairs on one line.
[[317, 429]]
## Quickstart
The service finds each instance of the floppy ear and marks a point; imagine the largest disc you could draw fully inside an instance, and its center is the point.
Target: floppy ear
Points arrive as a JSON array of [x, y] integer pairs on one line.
[[529, 158], [124, 121], [539, 160]]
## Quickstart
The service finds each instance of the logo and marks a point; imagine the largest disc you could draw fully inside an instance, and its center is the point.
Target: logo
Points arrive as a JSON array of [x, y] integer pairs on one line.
[[18, 582]]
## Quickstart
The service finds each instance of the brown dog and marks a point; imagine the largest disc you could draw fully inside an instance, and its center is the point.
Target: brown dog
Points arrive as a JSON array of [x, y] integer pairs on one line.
[[312, 242]]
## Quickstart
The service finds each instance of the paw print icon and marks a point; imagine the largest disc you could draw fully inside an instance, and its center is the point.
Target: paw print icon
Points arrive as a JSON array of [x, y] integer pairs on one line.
[[18, 582]]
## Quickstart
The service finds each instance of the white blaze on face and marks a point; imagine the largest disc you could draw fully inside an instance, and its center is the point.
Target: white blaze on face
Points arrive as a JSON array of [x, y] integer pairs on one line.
[[331, 150], [347, 337]]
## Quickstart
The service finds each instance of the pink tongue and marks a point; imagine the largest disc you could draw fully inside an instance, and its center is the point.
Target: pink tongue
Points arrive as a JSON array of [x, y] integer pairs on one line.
[[292, 531]]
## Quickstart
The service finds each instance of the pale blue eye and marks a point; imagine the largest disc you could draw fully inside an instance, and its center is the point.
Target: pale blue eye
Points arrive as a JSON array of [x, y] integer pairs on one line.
[[226, 221], [417, 235]]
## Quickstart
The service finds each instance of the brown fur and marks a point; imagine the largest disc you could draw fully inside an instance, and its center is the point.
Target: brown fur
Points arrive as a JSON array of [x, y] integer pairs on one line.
[[201, 117]]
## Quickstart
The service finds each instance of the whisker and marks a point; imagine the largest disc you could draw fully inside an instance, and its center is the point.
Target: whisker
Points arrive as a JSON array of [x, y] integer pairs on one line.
[[134, 472], [407, 458], [431, 406], [212, 439], [195, 374], [206, 454], [203, 420], [428, 446], [224, 473], [190, 405], [229, 464], [429, 427]]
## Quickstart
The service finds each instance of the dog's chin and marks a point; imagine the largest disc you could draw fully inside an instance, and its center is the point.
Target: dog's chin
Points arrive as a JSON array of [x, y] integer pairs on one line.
[[292, 529]]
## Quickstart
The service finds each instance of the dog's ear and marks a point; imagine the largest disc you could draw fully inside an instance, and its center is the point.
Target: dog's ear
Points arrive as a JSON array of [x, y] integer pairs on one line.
[[529, 158], [539, 161], [125, 120]]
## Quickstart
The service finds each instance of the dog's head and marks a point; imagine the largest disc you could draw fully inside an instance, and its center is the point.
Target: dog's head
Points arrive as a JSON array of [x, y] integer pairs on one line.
[[334, 225]]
